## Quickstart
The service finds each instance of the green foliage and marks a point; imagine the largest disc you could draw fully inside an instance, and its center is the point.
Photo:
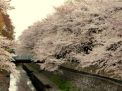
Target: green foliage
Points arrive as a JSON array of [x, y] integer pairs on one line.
[[63, 84]]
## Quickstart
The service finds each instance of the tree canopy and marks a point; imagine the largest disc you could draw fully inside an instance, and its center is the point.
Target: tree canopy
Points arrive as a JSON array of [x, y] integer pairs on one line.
[[6, 38], [88, 32]]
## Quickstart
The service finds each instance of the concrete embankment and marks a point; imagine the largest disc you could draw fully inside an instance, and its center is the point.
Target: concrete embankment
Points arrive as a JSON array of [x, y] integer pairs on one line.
[[39, 80], [71, 80]]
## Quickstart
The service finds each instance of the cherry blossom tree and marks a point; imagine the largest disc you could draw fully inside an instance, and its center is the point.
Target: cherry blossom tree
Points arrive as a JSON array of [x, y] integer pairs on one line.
[[82, 31], [5, 5], [5, 56], [5, 44]]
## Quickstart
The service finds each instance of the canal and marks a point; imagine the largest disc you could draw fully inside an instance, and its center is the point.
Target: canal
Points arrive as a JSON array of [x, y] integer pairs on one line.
[[22, 83], [67, 80]]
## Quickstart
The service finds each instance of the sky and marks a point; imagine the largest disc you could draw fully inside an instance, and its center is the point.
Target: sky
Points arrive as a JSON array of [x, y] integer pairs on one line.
[[27, 12]]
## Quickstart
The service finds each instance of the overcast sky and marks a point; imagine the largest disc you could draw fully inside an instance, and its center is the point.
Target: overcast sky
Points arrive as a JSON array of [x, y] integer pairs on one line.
[[27, 12]]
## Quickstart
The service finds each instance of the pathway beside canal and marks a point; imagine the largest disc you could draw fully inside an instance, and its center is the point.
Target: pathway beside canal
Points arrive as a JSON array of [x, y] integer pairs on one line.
[[22, 83]]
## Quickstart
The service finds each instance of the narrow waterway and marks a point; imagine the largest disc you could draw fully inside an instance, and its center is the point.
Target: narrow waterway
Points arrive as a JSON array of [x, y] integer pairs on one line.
[[22, 83]]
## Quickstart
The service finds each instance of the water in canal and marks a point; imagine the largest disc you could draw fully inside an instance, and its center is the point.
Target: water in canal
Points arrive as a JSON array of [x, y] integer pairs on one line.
[[22, 83]]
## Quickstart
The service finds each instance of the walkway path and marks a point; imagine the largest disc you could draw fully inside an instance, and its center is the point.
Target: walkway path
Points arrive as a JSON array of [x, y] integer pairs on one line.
[[23, 83]]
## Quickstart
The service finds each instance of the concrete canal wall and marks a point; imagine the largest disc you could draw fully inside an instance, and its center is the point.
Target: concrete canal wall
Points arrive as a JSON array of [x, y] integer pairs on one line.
[[71, 80], [39, 79]]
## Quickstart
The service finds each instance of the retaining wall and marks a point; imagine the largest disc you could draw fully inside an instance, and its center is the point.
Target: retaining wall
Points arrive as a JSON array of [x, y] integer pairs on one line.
[[4, 80]]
